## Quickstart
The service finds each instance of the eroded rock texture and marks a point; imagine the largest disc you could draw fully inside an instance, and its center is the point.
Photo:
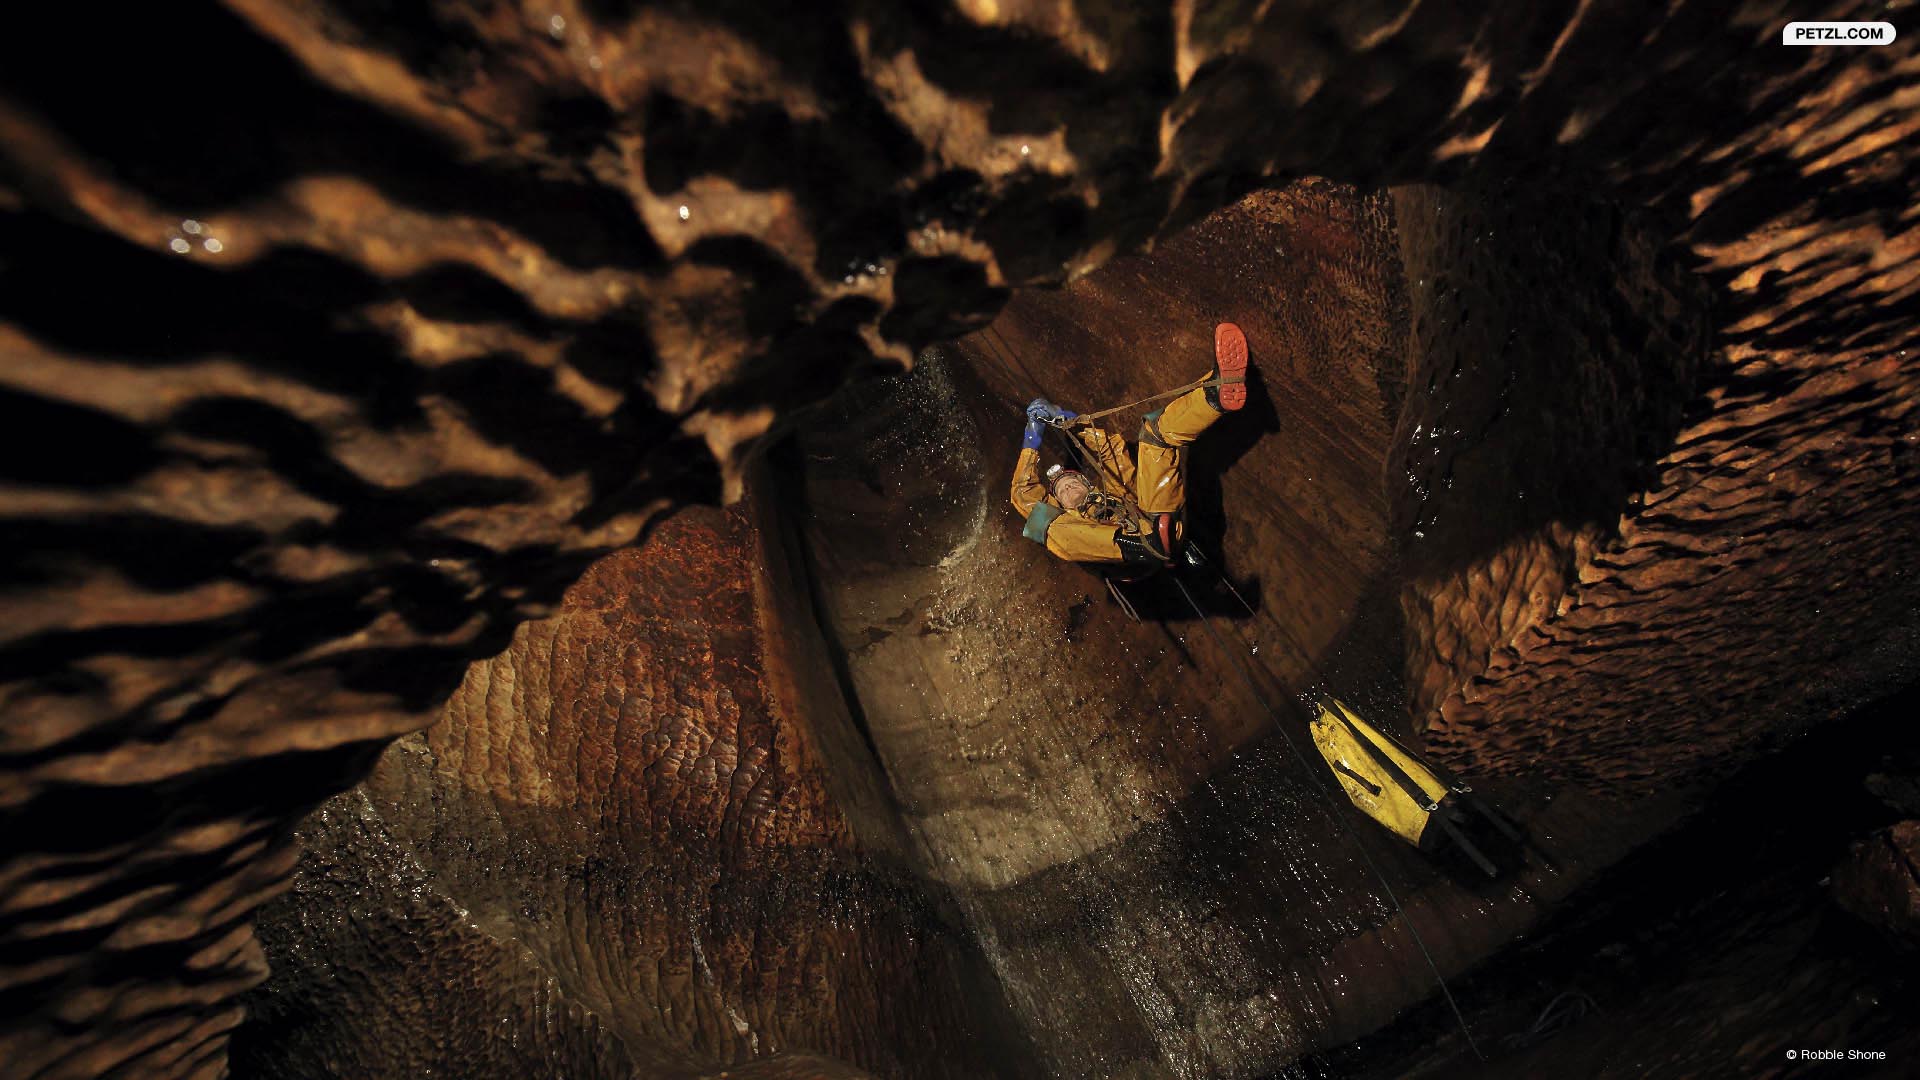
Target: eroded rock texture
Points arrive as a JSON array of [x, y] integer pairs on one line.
[[621, 836], [1619, 533], [1557, 343], [1163, 891], [342, 337]]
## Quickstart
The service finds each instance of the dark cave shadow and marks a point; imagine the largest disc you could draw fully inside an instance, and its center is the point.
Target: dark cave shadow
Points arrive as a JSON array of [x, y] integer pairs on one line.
[[1640, 922], [1218, 449], [1558, 362], [172, 139], [1510, 855], [1159, 598]]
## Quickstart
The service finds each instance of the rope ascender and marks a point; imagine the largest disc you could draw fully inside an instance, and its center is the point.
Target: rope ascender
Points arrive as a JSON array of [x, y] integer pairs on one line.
[[1326, 787], [1109, 481]]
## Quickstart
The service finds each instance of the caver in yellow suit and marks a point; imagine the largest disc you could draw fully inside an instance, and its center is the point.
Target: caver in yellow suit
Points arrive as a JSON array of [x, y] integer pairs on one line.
[[1102, 527]]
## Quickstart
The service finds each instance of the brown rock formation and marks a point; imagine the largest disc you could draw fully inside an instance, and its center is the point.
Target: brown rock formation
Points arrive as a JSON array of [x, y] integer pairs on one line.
[[1880, 881], [1628, 629], [343, 338], [618, 852], [1112, 806]]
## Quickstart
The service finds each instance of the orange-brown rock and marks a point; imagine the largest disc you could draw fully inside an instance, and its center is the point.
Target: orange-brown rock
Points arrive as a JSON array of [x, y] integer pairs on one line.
[[1689, 513], [337, 339], [1115, 804], [681, 894]]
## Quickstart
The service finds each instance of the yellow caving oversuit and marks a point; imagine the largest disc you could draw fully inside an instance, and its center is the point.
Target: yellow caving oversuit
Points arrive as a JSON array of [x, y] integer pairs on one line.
[[1105, 530]]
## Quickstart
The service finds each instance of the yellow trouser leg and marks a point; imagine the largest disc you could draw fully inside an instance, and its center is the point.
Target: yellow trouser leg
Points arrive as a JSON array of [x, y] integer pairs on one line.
[[1161, 476]]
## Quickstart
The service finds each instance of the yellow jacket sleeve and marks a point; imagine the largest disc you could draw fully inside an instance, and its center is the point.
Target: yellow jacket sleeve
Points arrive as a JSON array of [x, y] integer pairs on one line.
[[1028, 488], [1111, 449], [1076, 539]]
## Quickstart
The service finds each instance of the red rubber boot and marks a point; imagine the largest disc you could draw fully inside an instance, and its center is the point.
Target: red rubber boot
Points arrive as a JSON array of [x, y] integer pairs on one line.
[[1230, 367]]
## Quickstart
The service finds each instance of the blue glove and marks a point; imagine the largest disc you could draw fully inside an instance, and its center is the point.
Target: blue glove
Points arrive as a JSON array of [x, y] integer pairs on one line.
[[1032, 440], [1047, 412]]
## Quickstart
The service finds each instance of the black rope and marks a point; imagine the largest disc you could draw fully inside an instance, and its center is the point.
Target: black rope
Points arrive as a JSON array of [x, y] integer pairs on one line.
[[1015, 357], [1083, 457], [1319, 784]]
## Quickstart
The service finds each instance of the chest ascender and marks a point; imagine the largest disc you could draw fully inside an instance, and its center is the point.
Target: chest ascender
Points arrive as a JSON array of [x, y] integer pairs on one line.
[[1104, 509]]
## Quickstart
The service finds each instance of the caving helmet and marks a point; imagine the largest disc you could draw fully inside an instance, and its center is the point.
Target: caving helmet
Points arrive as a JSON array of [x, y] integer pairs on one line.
[[1070, 487]]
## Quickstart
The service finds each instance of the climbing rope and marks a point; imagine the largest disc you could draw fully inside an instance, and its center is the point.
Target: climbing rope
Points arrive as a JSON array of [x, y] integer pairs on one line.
[[1084, 457], [1316, 782], [1089, 417], [1319, 784], [1098, 414], [1110, 482]]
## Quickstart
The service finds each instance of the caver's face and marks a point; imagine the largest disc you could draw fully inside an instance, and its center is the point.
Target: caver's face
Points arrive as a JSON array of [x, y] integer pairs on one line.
[[1071, 490]]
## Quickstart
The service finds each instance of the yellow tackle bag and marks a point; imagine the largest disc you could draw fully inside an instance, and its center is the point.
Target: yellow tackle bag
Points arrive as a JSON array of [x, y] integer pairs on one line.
[[1388, 784]]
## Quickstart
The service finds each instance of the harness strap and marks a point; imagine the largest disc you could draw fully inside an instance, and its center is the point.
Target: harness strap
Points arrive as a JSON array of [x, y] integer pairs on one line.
[[1158, 526], [1150, 432], [1086, 418], [1109, 482]]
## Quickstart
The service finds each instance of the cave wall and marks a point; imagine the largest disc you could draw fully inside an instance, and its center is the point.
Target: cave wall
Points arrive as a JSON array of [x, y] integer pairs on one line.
[[1160, 887], [1554, 347], [621, 836], [1682, 514], [343, 342]]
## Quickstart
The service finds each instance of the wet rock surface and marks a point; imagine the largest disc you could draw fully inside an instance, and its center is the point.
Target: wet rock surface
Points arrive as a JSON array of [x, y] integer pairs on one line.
[[1162, 888], [344, 340], [1530, 421], [1720, 947], [620, 837]]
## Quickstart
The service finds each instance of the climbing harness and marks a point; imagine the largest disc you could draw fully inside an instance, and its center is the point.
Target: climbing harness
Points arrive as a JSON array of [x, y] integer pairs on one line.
[[1112, 494], [1137, 523], [1103, 508]]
